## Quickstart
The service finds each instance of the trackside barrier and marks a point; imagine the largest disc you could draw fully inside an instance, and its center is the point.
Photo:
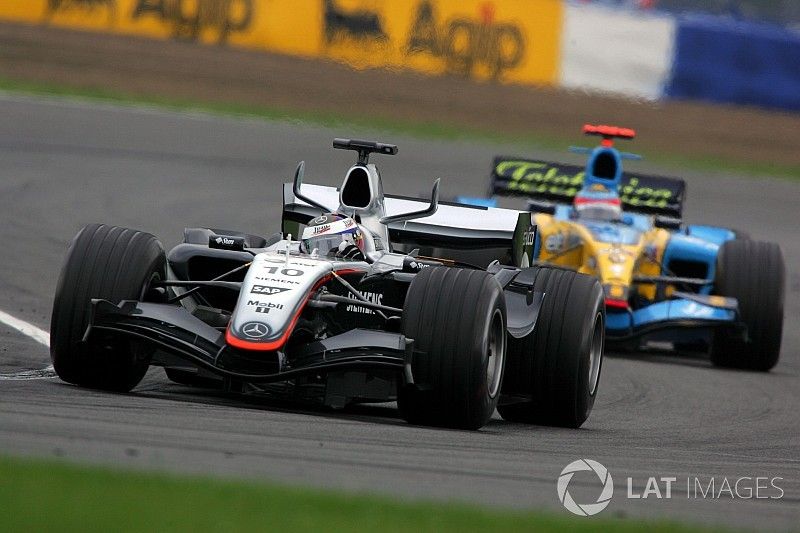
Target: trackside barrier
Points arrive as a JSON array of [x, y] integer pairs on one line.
[[736, 62], [621, 52], [534, 42], [514, 41]]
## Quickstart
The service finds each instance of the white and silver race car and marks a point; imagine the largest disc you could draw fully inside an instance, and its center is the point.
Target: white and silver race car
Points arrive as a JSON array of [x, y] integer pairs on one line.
[[350, 311]]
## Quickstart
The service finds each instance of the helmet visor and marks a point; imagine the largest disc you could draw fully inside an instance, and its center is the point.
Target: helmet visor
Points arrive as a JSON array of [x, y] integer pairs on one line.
[[599, 211], [327, 244]]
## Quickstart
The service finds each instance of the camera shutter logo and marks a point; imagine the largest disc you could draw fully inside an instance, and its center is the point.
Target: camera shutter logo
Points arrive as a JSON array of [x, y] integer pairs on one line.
[[585, 509]]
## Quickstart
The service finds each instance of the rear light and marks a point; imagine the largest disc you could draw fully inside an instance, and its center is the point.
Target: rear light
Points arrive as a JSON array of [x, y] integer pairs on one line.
[[616, 304], [616, 296]]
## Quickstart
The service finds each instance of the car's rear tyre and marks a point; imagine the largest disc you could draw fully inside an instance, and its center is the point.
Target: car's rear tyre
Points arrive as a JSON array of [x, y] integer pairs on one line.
[[558, 365], [113, 264], [753, 272], [457, 319]]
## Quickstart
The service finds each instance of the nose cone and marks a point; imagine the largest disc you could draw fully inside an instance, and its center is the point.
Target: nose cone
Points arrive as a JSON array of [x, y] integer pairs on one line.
[[615, 266]]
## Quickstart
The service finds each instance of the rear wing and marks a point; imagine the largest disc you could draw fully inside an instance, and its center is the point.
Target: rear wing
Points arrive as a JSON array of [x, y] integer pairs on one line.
[[451, 228], [559, 183]]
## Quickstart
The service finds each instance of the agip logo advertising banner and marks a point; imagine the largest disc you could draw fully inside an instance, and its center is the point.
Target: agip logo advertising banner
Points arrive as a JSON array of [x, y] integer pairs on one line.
[[245, 23], [512, 41], [502, 40], [208, 21]]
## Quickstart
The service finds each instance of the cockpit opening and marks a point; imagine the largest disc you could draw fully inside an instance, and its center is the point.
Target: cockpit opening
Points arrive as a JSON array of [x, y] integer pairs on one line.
[[605, 166]]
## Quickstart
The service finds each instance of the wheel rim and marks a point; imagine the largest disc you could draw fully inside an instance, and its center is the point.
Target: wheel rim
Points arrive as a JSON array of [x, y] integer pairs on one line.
[[155, 277], [496, 351], [596, 353]]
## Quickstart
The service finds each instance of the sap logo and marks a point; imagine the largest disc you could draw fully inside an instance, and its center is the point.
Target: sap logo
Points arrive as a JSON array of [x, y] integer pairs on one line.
[[265, 289], [264, 307], [372, 297]]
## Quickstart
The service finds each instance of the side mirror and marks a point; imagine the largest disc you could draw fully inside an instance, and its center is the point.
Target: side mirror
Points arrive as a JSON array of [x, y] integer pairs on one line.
[[298, 182], [432, 208], [670, 223], [536, 206]]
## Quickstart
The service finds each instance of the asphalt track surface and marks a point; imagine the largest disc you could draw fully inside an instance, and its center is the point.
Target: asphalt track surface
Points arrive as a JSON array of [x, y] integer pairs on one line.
[[65, 164]]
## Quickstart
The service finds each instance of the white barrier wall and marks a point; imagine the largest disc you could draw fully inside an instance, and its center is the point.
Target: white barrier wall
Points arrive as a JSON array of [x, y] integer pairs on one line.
[[616, 51]]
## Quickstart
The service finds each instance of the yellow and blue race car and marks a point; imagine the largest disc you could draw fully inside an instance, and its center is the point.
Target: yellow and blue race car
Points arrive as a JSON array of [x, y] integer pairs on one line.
[[691, 286]]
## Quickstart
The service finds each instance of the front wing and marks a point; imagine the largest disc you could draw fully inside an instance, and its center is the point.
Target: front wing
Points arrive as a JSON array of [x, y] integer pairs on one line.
[[175, 333], [685, 311]]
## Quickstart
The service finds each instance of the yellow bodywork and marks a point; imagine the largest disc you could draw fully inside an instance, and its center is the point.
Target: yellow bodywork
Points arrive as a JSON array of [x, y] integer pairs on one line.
[[571, 244]]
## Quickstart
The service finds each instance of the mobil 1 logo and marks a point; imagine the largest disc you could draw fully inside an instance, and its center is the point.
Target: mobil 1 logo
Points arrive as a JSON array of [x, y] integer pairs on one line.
[[264, 307]]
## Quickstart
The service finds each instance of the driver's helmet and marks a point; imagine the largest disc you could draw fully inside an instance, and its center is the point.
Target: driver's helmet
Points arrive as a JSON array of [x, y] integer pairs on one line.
[[334, 235], [606, 207]]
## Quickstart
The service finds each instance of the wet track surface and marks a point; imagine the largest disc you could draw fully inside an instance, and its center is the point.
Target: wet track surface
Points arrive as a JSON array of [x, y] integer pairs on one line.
[[66, 164]]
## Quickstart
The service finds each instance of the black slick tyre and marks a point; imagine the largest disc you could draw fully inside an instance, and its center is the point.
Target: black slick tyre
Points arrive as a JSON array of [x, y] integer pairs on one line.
[[457, 319], [754, 273], [553, 374], [114, 264]]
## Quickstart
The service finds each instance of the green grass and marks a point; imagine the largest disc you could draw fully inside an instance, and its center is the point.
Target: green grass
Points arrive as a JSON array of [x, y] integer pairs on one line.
[[38, 495], [430, 130]]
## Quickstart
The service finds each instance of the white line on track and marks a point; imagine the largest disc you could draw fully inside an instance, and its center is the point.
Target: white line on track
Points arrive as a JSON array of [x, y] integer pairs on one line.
[[32, 332]]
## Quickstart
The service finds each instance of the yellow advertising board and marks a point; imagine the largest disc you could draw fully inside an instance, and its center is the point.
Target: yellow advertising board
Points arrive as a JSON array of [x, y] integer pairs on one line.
[[514, 41], [507, 40]]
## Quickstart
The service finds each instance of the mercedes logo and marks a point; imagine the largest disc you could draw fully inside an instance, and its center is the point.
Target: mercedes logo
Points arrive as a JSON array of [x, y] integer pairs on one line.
[[255, 330]]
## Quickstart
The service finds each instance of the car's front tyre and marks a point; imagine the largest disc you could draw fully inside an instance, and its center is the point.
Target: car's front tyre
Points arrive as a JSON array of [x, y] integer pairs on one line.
[[457, 319], [753, 272], [109, 263]]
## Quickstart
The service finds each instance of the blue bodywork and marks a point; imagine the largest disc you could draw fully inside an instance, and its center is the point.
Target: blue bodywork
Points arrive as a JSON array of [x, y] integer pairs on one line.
[[691, 252], [679, 310]]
